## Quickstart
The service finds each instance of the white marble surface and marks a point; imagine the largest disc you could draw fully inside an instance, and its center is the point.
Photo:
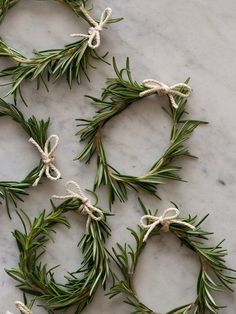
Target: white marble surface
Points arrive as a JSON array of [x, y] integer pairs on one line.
[[167, 40]]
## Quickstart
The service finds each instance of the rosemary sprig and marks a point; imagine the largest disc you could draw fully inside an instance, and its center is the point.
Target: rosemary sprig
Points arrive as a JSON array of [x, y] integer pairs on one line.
[[71, 61], [34, 278], [214, 274], [120, 92], [5, 5], [12, 191], [75, 5]]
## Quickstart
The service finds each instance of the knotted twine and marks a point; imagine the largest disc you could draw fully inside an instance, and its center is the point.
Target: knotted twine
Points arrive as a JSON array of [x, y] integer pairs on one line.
[[86, 207], [154, 86], [166, 219], [94, 37], [47, 159], [22, 307]]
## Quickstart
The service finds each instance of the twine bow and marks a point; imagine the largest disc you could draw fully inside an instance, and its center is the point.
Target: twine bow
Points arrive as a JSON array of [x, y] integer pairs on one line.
[[86, 207], [48, 159], [94, 38], [168, 217], [160, 88], [23, 308]]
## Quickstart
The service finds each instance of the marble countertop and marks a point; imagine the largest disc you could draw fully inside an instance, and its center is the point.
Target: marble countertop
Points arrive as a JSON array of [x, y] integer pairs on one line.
[[166, 40]]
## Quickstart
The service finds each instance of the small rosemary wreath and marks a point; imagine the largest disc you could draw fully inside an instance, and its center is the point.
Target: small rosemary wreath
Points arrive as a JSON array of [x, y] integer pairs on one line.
[[12, 191], [214, 274], [33, 276], [71, 61], [120, 92]]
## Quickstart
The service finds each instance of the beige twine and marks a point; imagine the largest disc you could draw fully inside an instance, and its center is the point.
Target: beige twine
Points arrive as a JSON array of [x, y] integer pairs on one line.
[[86, 207], [165, 220], [21, 307], [160, 88], [94, 37], [48, 159]]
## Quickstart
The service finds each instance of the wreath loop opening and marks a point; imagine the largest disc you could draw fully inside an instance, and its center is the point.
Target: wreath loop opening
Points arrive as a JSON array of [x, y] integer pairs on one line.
[[72, 61], [119, 93], [35, 279], [214, 276]]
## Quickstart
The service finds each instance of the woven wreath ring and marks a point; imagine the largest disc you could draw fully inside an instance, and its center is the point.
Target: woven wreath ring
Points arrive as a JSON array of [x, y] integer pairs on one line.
[[36, 279], [214, 276], [13, 191], [119, 93], [70, 61]]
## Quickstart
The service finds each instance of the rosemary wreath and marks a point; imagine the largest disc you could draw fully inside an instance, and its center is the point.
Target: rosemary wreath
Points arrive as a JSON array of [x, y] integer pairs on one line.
[[12, 191], [120, 92], [71, 61], [33, 276], [214, 274]]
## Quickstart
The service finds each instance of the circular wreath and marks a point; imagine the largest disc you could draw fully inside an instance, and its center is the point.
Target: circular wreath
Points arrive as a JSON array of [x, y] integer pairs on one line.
[[12, 191], [71, 61], [120, 92], [33, 276], [214, 274]]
